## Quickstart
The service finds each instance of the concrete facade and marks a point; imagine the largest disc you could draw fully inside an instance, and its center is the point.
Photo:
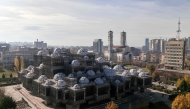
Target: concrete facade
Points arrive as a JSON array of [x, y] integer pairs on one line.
[[98, 46], [174, 54]]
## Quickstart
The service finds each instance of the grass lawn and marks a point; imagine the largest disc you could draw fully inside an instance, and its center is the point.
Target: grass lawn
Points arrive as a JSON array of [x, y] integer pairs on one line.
[[7, 73], [136, 67]]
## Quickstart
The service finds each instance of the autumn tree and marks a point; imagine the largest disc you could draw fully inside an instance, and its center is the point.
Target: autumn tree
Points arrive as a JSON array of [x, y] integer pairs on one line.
[[17, 64], [111, 105], [21, 63], [181, 102], [178, 82]]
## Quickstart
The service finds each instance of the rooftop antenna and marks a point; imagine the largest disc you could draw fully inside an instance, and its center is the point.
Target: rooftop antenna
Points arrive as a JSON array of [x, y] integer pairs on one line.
[[178, 31]]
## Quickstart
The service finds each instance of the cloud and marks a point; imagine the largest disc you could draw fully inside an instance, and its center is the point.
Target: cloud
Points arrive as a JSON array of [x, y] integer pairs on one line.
[[65, 22], [31, 28]]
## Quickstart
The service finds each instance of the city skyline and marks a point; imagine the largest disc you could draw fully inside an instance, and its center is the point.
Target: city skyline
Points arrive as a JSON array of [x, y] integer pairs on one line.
[[68, 23]]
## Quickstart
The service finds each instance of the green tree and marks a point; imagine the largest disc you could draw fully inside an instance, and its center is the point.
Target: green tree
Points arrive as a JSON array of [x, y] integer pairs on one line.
[[7, 102], [3, 76], [183, 86], [11, 75], [151, 68]]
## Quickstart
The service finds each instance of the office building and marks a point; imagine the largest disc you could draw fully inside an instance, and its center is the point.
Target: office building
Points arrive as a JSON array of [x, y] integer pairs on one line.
[[98, 46], [40, 44]]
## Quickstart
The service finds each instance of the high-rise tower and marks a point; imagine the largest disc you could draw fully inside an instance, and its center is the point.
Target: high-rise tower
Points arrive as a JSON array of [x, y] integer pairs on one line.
[[178, 31], [110, 44], [123, 38], [147, 44]]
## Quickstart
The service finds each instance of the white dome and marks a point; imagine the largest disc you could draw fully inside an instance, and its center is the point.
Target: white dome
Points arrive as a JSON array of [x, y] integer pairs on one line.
[[42, 78], [57, 50], [79, 73], [63, 50], [30, 75], [100, 60], [105, 66], [82, 51], [117, 81], [142, 74], [90, 73], [103, 78], [41, 66], [60, 83], [83, 80], [86, 58], [61, 74], [57, 77], [140, 70], [133, 72], [76, 86], [109, 72], [118, 68], [43, 53], [98, 72], [126, 73], [71, 76], [111, 63], [23, 71], [48, 82], [32, 70], [98, 81], [30, 67], [55, 55], [75, 63]]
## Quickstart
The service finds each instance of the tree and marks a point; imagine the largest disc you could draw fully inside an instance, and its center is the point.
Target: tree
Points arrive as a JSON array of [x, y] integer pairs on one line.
[[181, 102], [11, 75], [21, 63], [183, 86], [187, 79], [111, 105], [17, 64], [151, 68], [155, 75], [7, 102], [3, 76], [178, 82]]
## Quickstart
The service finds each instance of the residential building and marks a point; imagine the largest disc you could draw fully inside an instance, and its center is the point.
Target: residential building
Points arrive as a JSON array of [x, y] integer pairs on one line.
[[174, 54], [7, 57], [4, 47]]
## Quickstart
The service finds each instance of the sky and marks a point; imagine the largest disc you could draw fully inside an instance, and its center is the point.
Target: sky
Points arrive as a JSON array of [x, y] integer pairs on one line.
[[79, 22]]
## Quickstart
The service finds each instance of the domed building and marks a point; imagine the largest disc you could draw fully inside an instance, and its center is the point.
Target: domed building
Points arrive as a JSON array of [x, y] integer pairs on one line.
[[75, 79]]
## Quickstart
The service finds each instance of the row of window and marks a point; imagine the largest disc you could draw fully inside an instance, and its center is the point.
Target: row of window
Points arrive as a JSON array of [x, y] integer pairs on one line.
[[173, 57], [174, 44]]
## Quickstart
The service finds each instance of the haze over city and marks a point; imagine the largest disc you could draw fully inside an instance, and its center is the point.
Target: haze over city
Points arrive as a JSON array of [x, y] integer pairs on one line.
[[71, 23]]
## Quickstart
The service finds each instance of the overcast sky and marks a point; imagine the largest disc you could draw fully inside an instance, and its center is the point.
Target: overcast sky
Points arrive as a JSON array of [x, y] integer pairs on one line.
[[79, 22]]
